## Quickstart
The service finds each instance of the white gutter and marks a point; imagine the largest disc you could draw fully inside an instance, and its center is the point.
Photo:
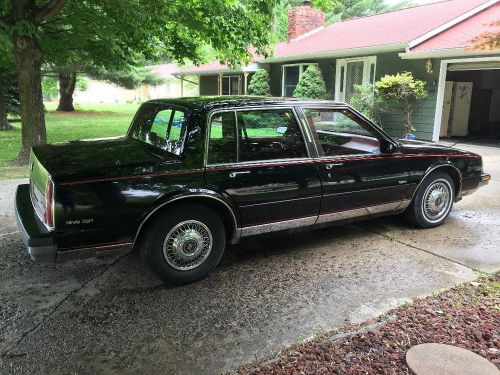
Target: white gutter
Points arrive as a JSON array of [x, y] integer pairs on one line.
[[451, 23], [443, 53], [339, 53]]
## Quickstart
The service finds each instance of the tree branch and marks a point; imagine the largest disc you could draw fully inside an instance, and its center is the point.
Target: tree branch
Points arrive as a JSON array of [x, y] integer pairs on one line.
[[49, 10]]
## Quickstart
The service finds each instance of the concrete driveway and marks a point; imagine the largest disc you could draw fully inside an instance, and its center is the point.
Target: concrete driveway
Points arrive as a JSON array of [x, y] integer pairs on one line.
[[108, 315]]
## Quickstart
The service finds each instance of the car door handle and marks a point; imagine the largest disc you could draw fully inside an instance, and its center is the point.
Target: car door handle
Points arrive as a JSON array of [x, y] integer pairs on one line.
[[331, 165], [234, 174]]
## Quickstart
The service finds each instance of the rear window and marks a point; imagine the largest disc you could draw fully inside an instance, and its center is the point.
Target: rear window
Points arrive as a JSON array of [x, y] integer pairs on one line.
[[161, 126]]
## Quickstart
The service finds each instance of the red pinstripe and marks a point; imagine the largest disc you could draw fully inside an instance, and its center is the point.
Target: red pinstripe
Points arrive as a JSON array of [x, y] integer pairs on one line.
[[223, 168]]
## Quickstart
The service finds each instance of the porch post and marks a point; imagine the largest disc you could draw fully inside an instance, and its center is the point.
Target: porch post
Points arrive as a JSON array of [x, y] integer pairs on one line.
[[245, 83], [220, 83]]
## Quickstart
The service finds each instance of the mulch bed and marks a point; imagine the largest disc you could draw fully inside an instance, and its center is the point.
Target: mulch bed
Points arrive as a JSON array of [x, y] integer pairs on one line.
[[467, 316]]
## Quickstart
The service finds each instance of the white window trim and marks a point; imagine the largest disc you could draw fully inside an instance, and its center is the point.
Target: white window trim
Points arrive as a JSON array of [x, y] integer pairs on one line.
[[342, 63], [301, 70]]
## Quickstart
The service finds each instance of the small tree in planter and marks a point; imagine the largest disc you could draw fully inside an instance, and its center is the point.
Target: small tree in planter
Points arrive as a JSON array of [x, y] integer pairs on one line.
[[311, 84], [367, 100], [404, 90], [259, 85]]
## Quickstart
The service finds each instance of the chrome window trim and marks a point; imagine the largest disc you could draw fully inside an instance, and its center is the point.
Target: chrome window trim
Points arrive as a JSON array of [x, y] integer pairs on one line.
[[257, 164], [214, 112]]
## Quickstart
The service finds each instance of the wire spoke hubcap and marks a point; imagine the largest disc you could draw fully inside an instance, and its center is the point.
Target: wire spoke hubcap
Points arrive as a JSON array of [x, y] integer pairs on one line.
[[437, 200], [187, 245]]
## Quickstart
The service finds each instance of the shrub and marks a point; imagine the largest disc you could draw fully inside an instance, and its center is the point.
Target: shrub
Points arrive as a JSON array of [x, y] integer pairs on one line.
[[368, 101], [259, 84], [404, 90], [311, 84]]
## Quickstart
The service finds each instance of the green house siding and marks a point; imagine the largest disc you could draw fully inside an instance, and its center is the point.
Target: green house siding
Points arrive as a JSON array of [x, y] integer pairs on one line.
[[327, 67], [423, 117], [388, 63], [209, 85]]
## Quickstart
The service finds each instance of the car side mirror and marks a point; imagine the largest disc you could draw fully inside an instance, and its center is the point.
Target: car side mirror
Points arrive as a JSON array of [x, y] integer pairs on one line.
[[387, 147]]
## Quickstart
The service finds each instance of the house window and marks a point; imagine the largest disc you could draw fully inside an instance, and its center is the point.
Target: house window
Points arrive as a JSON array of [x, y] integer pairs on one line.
[[231, 85], [291, 76], [352, 72]]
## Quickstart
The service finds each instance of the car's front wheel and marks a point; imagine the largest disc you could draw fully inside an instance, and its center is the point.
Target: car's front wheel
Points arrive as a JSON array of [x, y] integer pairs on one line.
[[432, 202], [184, 244]]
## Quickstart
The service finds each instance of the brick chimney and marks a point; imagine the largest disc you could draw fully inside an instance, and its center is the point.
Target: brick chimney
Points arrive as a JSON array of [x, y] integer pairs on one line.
[[303, 19]]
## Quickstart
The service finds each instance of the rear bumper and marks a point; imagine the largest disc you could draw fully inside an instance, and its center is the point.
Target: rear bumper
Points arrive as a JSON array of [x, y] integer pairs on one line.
[[38, 240]]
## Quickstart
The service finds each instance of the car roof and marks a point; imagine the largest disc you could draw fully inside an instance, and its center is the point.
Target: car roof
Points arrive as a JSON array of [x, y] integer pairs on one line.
[[215, 102]]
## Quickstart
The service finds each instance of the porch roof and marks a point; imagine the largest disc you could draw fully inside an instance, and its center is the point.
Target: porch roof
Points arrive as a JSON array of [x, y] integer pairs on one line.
[[215, 67]]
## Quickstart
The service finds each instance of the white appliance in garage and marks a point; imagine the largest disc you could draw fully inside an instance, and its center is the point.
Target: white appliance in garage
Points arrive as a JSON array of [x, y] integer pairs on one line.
[[456, 109]]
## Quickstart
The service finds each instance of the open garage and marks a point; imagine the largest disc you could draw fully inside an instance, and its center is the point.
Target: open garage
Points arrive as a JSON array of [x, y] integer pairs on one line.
[[471, 101]]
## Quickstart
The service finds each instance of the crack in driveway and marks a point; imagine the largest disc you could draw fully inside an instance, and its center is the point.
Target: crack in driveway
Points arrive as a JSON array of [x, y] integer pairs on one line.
[[390, 238], [8, 354]]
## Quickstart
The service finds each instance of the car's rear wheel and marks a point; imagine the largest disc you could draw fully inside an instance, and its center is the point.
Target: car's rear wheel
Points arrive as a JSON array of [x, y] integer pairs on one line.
[[432, 202], [184, 244]]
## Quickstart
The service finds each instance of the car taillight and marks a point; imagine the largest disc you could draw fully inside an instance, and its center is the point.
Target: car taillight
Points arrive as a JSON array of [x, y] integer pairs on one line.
[[49, 202]]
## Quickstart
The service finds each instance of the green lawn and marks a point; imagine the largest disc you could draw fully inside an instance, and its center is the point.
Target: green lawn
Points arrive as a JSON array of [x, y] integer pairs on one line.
[[89, 121]]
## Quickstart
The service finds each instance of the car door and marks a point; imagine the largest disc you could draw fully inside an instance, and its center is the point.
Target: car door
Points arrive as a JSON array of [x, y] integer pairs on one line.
[[358, 178], [259, 158]]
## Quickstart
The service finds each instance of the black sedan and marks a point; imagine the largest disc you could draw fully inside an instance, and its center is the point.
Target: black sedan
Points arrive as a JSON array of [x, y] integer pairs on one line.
[[194, 174]]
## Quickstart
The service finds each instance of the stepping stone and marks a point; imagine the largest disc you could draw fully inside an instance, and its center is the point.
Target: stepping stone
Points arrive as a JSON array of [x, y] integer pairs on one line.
[[440, 359]]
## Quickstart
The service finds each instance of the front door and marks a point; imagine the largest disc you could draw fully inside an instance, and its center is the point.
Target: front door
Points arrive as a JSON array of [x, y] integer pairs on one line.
[[351, 73], [358, 179], [259, 158]]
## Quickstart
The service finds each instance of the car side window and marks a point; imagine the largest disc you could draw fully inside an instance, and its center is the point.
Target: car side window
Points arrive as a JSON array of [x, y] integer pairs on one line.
[[269, 134], [340, 132], [222, 142]]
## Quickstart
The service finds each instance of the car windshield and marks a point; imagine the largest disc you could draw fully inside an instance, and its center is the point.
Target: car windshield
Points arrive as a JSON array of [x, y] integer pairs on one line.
[[160, 125]]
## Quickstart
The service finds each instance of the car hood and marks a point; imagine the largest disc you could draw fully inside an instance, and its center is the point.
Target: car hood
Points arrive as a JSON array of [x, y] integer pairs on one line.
[[420, 147], [100, 157]]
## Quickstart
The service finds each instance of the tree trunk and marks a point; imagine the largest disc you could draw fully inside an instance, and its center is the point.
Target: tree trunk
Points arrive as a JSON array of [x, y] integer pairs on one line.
[[4, 123], [29, 61], [67, 84]]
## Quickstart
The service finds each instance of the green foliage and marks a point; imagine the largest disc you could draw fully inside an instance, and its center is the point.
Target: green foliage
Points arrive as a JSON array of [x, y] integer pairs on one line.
[[9, 81], [130, 78], [311, 84], [403, 90], [259, 84], [82, 83], [49, 88], [367, 100]]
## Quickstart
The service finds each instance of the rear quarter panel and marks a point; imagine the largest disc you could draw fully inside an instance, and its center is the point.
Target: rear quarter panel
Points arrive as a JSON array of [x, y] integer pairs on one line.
[[100, 212]]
